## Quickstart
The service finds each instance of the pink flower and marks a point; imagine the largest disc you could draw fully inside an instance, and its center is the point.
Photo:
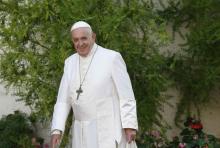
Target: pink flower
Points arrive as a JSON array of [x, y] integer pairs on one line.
[[182, 145]]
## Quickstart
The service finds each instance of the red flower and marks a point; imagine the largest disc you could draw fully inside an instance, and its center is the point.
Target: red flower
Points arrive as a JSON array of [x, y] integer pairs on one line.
[[197, 125]]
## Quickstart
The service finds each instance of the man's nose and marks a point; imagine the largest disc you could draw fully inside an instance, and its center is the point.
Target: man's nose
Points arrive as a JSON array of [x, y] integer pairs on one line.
[[80, 43]]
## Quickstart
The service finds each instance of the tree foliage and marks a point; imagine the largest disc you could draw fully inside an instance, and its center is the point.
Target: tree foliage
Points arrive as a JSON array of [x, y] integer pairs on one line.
[[35, 40], [196, 69]]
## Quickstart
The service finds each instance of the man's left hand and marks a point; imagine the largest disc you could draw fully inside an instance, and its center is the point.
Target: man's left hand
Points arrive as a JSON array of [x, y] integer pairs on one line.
[[130, 134]]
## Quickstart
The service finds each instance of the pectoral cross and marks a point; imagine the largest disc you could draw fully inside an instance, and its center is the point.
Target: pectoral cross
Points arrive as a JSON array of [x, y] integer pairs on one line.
[[79, 91]]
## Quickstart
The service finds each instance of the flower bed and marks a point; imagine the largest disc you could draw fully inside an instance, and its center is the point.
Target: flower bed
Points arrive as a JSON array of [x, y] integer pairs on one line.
[[192, 136]]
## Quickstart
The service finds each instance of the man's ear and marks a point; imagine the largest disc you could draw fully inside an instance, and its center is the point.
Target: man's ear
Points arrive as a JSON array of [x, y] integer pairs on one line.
[[93, 36], [72, 45]]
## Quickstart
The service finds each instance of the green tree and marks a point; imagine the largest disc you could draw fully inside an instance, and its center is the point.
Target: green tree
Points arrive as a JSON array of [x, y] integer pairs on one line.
[[35, 40]]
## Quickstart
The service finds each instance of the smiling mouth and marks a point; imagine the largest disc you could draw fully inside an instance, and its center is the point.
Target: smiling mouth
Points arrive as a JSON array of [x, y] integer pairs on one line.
[[81, 49]]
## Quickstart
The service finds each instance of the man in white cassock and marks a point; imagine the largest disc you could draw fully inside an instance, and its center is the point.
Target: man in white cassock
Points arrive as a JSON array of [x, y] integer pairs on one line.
[[96, 85]]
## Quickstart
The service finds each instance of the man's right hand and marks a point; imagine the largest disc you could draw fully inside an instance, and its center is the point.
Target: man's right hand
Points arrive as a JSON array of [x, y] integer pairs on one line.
[[55, 140]]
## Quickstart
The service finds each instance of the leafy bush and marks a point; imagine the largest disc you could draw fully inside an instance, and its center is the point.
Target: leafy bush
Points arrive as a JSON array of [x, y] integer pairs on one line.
[[193, 136], [16, 131]]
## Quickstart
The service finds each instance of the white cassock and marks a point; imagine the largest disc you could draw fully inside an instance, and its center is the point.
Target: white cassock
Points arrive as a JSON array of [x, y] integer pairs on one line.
[[106, 105]]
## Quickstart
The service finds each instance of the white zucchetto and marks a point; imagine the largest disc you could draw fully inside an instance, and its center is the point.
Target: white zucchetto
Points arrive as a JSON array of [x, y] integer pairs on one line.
[[80, 24]]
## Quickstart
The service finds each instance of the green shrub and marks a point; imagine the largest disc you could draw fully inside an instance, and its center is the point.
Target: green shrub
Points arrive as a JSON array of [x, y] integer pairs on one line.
[[15, 131]]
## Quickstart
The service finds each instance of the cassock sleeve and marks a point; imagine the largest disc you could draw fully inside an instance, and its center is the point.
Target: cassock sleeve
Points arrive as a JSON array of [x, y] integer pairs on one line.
[[62, 106], [125, 93]]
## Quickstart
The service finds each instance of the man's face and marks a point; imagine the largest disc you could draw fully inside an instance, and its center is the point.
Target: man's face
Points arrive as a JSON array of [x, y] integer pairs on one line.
[[83, 40]]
